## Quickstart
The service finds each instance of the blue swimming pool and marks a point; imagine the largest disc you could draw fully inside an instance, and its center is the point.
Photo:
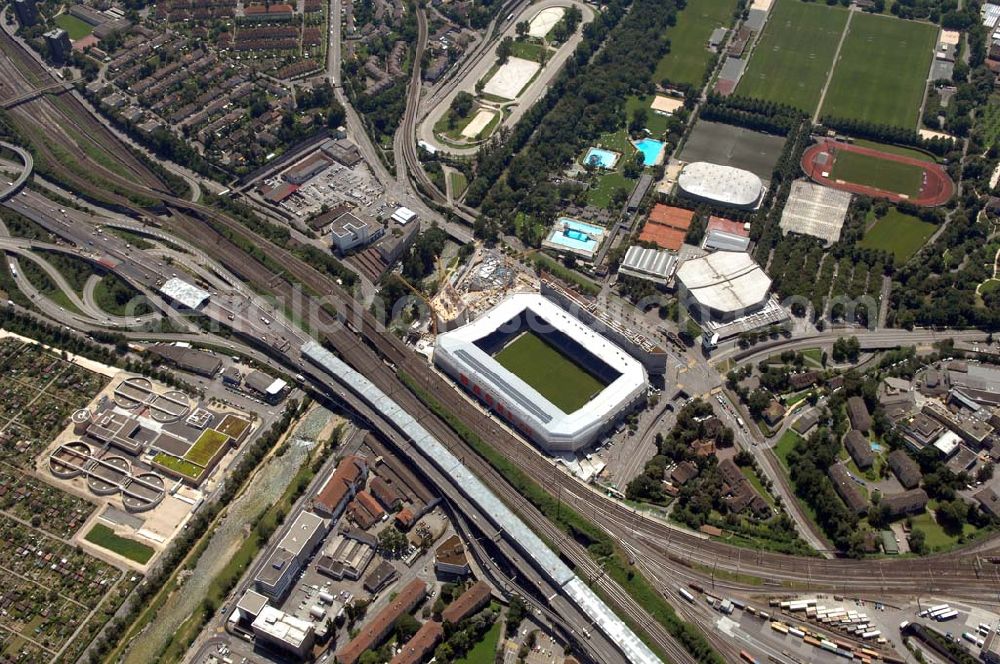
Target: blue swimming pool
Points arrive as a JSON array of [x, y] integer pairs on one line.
[[576, 236], [652, 151], [601, 158]]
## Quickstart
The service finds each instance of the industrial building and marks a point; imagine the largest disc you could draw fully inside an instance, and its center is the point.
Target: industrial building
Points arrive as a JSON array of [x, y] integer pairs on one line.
[[721, 185], [460, 353], [306, 169], [340, 488], [649, 264], [349, 232], [724, 285], [188, 359], [271, 389], [284, 631], [275, 576]]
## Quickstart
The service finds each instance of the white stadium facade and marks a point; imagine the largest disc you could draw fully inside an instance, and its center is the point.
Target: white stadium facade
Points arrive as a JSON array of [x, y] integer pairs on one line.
[[466, 354]]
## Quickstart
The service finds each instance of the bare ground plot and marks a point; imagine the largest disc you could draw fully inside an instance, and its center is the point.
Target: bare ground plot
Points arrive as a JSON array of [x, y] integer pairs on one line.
[[510, 79], [734, 146]]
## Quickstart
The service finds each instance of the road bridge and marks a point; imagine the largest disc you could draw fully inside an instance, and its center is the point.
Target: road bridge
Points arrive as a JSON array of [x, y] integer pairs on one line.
[[14, 187], [56, 88]]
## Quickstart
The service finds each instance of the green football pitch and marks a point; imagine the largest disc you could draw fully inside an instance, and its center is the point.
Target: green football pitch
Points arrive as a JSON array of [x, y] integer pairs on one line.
[[789, 65], [688, 58], [882, 71], [880, 173], [552, 374], [899, 233]]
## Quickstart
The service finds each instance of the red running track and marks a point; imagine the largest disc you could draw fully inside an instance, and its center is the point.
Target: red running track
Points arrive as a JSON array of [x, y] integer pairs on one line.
[[937, 188]]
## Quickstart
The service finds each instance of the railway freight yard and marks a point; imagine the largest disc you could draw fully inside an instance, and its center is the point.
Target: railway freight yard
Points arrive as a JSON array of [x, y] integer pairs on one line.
[[457, 332]]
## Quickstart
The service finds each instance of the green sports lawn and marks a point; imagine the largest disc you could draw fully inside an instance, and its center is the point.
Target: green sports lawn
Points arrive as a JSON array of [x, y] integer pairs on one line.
[[76, 28], [790, 63], [108, 539], [899, 233], [880, 173], [882, 71], [552, 374], [689, 56]]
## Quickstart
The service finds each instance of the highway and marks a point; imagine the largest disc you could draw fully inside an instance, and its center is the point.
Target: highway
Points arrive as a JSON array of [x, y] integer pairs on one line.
[[28, 166]]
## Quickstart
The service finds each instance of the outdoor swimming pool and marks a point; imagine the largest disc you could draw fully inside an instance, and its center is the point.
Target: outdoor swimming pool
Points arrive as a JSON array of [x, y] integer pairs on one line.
[[652, 151], [601, 158], [575, 236]]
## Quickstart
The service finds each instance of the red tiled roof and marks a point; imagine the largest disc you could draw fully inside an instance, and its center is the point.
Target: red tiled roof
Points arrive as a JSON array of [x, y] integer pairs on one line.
[[349, 473], [376, 629], [420, 644], [467, 603], [726, 226]]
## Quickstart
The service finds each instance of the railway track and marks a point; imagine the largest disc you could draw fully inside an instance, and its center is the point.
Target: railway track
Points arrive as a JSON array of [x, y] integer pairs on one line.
[[961, 574]]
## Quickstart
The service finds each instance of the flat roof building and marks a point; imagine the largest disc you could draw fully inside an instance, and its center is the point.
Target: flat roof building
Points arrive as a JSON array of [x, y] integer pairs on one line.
[[266, 386], [276, 575], [188, 359], [284, 631], [349, 232], [450, 557], [724, 285], [185, 294], [403, 216]]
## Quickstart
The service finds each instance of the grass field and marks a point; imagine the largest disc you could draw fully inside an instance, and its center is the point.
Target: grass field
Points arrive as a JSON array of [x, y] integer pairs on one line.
[[790, 62], [552, 374], [458, 183], [76, 28], [689, 57], [882, 71], [988, 121], [899, 233], [901, 150], [785, 445], [106, 538], [181, 466], [892, 176], [655, 123], [530, 51], [484, 651], [936, 538], [233, 426], [206, 446]]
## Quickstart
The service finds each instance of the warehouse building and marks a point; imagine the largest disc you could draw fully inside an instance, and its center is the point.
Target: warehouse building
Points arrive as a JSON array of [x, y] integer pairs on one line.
[[721, 185], [649, 264]]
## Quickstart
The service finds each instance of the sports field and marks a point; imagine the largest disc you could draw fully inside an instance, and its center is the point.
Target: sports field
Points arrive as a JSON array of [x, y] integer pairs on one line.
[[882, 71], [789, 65], [75, 28], [894, 176], [552, 374], [108, 539], [688, 57], [899, 233]]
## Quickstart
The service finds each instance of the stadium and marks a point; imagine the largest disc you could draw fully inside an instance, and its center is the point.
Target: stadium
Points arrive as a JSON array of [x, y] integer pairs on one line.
[[721, 185], [557, 381]]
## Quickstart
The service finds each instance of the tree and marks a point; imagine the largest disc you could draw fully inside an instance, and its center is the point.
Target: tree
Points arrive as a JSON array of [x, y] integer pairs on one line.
[[405, 627], [392, 541], [917, 540], [515, 614], [505, 50], [522, 29], [461, 105]]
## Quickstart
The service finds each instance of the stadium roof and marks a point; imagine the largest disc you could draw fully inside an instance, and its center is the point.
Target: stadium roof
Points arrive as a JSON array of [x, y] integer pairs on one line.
[[650, 264], [184, 293], [530, 544], [725, 281], [551, 425], [721, 184]]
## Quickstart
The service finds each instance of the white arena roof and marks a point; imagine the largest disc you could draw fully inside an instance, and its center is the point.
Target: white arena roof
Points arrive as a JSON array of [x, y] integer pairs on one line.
[[721, 184], [184, 293], [458, 355], [726, 282]]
